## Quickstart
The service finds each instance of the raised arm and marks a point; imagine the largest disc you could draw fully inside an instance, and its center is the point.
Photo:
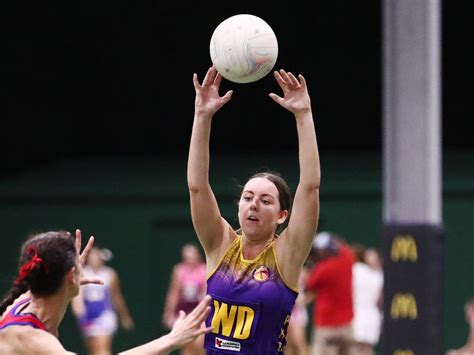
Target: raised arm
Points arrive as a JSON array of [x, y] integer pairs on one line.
[[206, 217], [294, 247], [186, 329]]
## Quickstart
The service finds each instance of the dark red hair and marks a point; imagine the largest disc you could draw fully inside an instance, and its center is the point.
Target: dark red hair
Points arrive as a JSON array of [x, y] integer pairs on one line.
[[44, 261]]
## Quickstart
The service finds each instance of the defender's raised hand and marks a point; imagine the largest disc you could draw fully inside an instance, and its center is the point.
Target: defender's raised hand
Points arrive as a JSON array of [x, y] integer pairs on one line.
[[83, 258]]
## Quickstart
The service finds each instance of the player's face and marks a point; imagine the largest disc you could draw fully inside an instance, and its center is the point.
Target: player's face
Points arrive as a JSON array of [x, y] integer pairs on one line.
[[191, 254], [372, 259], [259, 209]]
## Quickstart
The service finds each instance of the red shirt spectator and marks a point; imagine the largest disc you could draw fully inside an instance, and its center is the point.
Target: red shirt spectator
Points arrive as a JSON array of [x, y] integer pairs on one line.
[[331, 280]]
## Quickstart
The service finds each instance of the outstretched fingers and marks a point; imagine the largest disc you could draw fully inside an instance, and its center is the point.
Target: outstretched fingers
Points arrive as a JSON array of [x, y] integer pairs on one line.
[[188, 327], [200, 314], [91, 280], [213, 77], [78, 241], [217, 79], [199, 322], [196, 81], [285, 77], [293, 80], [279, 80], [227, 96], [210, 76], [201, 311], [87, 250], [204, 330], [276, 98], [83, 257], [302, 81]]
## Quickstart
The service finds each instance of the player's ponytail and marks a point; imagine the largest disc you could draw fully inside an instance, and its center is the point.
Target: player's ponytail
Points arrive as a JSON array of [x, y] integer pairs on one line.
[[15, 291], [44, 261]]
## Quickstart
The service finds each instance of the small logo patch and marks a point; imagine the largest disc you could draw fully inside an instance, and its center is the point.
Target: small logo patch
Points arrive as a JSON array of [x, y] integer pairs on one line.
[[227, 344], [262, 273]]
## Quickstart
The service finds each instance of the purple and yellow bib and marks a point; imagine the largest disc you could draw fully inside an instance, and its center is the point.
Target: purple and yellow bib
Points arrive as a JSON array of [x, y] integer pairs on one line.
[[251, 305]]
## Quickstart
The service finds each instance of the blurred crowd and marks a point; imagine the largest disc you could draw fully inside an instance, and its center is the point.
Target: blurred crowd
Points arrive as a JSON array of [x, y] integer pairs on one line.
[[343, 284]]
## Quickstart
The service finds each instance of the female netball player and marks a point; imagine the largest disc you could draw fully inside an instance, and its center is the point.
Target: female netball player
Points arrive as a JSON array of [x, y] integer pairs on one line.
[[253, 273], [49, 277]]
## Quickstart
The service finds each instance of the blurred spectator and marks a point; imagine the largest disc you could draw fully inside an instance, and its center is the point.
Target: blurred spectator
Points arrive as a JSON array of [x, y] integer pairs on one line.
[[367, 288], [187, 288], [331, 281], [97, 306], [467, 349], [296, 342]]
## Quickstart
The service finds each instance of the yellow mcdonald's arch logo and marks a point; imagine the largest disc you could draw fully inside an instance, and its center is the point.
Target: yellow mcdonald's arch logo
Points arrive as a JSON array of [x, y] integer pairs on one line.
[[404, 248], [232, 317], [404, 306], [403, 352]]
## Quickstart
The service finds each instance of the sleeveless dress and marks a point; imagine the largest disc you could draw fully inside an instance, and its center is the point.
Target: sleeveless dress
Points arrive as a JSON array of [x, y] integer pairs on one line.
[[192, 283], [100, 317], [251, 304], [14, 317]]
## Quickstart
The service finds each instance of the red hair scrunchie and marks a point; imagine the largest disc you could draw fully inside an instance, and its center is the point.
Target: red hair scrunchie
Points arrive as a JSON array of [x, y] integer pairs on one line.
[[30, 265]]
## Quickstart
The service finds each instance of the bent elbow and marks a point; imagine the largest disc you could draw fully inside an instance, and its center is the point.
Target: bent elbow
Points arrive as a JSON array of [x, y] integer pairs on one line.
[[310, 183], [312, 187], [315, 186], [193, 189]]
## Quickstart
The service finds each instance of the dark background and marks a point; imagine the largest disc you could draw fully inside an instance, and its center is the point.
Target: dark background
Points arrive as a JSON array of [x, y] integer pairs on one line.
[[114, 78]]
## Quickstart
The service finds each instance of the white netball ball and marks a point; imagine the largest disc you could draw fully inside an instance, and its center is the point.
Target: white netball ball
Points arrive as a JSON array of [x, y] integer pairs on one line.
[[243, 48]]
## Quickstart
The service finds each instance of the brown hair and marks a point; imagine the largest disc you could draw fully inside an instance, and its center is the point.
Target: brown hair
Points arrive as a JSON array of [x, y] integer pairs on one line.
[[44, 261], [359, 252]]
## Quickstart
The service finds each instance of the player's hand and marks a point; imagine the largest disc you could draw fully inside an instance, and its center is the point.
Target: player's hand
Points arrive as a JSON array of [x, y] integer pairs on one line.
[[83, 258], [207, 100], [295, 92], [127, 323], [189, 327]]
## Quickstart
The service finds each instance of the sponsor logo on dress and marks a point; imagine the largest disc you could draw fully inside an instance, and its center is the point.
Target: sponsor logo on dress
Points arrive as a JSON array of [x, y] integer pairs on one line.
[[261, 273], [227, 344], [232, 321]]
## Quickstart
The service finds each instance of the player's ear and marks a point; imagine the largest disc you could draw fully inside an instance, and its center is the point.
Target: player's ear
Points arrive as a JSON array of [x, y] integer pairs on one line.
[[72, 276], [282, 217]]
